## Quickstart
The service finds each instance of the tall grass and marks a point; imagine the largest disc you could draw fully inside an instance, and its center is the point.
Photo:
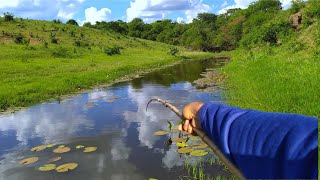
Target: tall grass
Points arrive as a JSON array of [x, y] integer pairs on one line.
[[42, 69]]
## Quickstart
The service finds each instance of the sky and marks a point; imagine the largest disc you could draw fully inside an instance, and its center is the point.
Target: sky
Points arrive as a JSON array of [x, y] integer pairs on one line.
[[126, 10]]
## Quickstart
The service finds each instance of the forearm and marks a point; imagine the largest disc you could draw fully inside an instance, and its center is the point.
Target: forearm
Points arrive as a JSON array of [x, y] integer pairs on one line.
[[257, 141]]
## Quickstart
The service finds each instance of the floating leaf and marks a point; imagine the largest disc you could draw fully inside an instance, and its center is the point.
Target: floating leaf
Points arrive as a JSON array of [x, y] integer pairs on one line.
[[203, 145], [194, 138], [185, 150], [66, 167], [54, 159], [160, 133], [29, 160], [80, 146], [179, 140], [62, 146], [153, 179], [39, 148], [199, 153], [47, 167], [182, 144], [61, 150], [175, 130], [50, 145], [90, 149]]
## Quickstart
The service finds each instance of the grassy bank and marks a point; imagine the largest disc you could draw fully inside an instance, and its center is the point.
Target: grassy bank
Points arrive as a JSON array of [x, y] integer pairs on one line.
[[275, 79], [52, 59]]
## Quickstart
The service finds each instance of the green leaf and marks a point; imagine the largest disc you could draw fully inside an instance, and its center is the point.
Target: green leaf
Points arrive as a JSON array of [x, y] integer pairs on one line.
[[182, 144], [199, 153], [29, 160], [193, 138], [179, 140], [62, 146], [160, 133], [50, 145], [90, 149], [66, 167], [39, 148], [80, 146], [47, 167], [185, 150], [202, 145], [153, 179], [60, 150], [54, 159]]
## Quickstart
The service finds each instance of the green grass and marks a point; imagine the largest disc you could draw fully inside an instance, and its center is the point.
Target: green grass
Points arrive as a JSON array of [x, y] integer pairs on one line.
[[274, 79], [42, 70]]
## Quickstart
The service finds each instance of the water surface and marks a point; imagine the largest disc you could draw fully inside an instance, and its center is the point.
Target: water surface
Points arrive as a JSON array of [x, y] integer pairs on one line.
[[122, 130]]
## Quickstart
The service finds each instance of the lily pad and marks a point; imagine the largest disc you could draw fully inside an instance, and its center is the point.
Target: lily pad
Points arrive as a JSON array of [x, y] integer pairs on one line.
[[175, 130], [47, 167], [29, 160], [198, 153], [80, 146], [90, 149], [61, 150], [194, 138], [66, 167], [39, 148], [50, 145], [62, 146], [203, 145], [160, 133], [179, 140], [185, 150], [182, 144], [54, 159]]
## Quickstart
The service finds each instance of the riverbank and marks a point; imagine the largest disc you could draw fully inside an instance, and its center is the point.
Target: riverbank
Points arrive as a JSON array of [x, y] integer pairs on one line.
[[24, 83], [274, 79]]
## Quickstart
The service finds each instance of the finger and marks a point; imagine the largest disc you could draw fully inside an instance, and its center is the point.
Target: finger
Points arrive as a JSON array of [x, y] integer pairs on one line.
[[180, 127], [185, 125], [190, 129]]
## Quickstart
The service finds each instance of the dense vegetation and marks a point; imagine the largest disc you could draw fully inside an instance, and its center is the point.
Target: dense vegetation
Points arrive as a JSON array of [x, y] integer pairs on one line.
[[262, 22], [40, 60]]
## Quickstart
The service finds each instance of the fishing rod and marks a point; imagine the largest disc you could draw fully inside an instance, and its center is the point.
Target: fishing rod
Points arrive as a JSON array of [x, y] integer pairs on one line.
[[205, 139]]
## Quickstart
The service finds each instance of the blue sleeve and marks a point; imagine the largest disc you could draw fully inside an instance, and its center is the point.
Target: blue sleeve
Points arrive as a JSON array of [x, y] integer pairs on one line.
[[264, 145]]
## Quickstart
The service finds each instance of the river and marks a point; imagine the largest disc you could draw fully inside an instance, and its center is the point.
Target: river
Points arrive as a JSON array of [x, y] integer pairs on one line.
[[114, 120]]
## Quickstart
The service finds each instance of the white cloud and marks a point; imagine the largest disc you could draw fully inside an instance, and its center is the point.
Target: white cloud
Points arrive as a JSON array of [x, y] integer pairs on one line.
[[93, 15], [180, 20], [41, 9], [224, 4], [150, 10], [245, 3]]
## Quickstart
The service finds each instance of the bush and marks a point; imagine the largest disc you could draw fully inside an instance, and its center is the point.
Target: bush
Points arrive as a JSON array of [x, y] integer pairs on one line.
[[113, 50], [79, 43], [8, 17], [20, 39], [57, 21], [72, 22], [297, 5], [61, 52], [312, 9], [54, 40], [173, 51]]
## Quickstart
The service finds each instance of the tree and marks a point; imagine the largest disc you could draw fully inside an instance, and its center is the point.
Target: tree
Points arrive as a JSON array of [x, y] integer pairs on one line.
[[136, 27], [264, 6], [72, 22], [87, 24], [8, 17], [297, 5]]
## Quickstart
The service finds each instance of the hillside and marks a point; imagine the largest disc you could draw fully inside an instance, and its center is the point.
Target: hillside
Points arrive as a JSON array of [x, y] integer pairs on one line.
[[40, 60]]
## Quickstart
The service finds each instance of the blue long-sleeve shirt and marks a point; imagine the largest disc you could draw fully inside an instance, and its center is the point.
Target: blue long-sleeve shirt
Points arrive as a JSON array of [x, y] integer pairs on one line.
[[264, 145]]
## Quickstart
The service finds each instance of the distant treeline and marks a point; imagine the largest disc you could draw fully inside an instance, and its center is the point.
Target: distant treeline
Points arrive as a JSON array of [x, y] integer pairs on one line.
[[262, 22]]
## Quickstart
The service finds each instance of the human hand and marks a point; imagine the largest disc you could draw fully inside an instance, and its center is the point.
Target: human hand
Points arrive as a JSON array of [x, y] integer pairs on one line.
[[190, 112]]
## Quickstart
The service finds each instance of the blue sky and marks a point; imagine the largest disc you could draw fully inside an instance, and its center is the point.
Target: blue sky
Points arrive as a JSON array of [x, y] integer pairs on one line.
[[126, 10]]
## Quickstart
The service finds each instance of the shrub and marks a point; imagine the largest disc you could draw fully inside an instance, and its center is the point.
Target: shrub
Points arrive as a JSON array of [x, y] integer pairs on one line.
[[72, 22], [297, 5], [79, 43], [173, 51], [54, 40], [8, 17], [113, 50], [20, 39], [61, 52], [57, 21]]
